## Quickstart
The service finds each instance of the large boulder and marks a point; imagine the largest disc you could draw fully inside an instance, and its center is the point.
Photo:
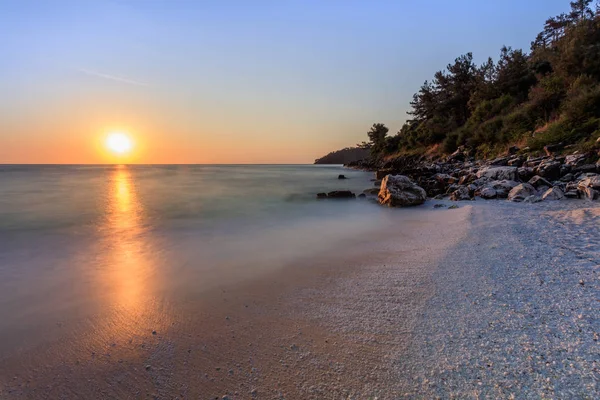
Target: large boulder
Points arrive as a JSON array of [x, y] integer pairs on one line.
[[553, 194], [521, 192], [400, 191], [499, 173]]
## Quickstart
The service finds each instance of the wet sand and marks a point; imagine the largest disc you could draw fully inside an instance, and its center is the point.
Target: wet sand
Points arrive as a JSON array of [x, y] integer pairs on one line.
[[492, 300], [328, 325]]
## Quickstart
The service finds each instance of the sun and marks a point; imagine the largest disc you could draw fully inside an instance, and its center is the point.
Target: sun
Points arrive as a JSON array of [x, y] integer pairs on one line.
[[119, 143]]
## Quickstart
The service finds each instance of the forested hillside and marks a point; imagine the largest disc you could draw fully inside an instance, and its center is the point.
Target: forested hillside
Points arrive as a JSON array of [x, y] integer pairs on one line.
[[549, 95], [344, 156]]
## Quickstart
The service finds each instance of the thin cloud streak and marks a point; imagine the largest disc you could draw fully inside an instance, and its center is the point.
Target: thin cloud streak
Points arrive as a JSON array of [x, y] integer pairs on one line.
[[112, 77]]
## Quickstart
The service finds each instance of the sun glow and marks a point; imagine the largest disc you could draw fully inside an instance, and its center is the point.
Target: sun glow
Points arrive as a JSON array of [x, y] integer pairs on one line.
[[119, 143]]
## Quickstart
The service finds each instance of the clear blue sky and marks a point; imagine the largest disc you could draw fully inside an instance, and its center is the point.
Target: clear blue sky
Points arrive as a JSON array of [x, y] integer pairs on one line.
[[231, 81]]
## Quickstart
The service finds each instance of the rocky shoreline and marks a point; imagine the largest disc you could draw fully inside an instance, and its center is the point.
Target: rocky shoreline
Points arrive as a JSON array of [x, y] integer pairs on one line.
[[516, 176]]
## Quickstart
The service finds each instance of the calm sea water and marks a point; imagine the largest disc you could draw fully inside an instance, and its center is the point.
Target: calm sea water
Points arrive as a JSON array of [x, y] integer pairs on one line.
[[76, 241]]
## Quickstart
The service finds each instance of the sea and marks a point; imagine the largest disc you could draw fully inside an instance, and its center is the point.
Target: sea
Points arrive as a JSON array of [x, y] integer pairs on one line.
[[79, 241]]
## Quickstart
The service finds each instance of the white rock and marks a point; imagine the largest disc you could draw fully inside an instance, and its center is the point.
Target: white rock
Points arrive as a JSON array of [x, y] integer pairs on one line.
[[400, 191]]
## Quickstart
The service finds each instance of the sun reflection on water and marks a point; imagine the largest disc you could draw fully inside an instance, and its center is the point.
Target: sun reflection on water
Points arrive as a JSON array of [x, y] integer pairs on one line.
[[130, 267]]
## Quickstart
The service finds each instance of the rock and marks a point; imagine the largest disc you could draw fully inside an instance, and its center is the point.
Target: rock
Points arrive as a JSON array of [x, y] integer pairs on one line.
[[575, 160], [532, 199], [553, 194], [154, 332], [500, 161], [467, 179], [439, 205], [380, 174], [549, 169], [513, 150], [589, 193], [521, 192], [342, 177], [586, 168], [516, 162], [538, 181], [462, 193], [572, 194], [444, 178], [341, 194], [453, 207], [439, 197], [499, 173], [591, 181], [551, 148], [362, 196], [400, 191], [377, 183], [567, 178], [321, 195], [458, 156], [502, 188], [372, 192], [525, 173], [487, 193]]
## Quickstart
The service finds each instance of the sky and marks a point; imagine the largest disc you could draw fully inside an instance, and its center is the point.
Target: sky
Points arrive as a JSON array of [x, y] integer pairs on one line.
[[224, 81]]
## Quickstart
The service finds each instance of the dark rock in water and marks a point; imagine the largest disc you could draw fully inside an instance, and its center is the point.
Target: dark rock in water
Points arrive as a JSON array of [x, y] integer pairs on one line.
[[377, 183], [362, 196], [342, 177], [439, 197], [400, 191], [453, 207], [373, 191], [321, 195], [439, 205], [341, 194]]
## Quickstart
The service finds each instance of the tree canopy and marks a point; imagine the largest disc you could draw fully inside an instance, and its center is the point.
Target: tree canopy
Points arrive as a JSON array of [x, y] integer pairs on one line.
[[546, 96]]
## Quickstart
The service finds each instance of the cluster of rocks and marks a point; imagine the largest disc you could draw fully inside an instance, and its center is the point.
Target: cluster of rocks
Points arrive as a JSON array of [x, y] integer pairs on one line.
[[409, 181]]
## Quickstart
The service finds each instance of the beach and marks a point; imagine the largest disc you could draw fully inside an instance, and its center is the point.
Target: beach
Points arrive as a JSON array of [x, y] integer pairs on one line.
[[491, 300]]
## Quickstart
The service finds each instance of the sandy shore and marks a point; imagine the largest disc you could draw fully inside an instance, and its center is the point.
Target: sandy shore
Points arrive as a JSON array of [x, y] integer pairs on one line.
[[483, 301]]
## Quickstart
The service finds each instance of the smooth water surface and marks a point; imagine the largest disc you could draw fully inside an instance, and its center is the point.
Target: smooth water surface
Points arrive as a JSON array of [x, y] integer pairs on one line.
[[80, 241]]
